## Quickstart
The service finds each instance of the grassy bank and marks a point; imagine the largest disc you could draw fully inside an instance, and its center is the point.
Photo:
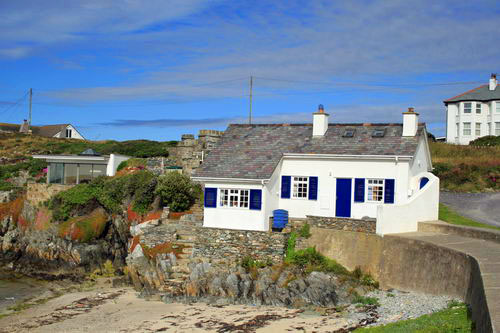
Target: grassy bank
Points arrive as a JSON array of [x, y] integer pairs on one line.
[[455, 319], [18, 146], [466, 168], [446, 214]]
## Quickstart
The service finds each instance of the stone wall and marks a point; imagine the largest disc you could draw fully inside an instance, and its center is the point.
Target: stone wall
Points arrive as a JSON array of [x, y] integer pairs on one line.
[[335, 223], [40, 192], [224, 244]]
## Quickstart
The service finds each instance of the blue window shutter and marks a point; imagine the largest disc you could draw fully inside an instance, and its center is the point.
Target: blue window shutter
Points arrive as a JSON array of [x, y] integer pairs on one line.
[[313, 188], [210, 197], [256, 199], [359, 190], [286, 186], [389, 191]]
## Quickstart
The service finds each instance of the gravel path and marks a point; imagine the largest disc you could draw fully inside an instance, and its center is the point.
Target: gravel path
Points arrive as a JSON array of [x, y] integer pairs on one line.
[[482, 207]]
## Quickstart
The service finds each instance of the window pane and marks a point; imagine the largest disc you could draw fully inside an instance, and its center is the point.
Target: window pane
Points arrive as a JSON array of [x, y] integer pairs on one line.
[[70, 171], [478, 128], [497, 128], [99, 170], [375, 191], [498, 107], [467, 129], [478, 107], [467, 107], [85, 173], [56, 172]]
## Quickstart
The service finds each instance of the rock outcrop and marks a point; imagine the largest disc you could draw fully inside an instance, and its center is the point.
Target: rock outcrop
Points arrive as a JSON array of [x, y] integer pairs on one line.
[[30, 244]]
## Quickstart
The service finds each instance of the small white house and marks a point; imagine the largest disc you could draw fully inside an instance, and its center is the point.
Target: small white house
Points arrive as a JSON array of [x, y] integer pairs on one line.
[[473, 114], [322, 169], [81, 168]]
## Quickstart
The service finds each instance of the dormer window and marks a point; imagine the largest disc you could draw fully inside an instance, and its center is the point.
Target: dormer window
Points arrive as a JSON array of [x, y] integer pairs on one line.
[[68, 133], [378, 133], [348, 133]]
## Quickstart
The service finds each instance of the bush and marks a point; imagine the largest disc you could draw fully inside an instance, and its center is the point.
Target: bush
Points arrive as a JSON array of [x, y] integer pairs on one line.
[[489, 140], [109, 193], [177, 191], [70, 202]]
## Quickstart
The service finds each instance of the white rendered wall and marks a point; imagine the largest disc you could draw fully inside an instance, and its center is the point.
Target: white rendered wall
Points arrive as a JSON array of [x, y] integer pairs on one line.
[[113, 163], [327, 172], [455, 114], [421, 163], [236, 218], [423, 206], [74, 133]]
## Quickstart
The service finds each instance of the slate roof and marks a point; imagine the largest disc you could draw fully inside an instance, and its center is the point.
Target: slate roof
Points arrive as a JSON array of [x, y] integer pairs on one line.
[[253, 151], [481, 94]]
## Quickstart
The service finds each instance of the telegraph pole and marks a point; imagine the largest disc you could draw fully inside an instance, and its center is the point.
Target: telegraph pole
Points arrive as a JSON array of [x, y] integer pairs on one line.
[[31, 98], [250, 111]]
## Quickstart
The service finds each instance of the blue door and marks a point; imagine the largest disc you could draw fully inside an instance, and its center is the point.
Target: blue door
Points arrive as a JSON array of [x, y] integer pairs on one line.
[[423, 181], [343, 203]]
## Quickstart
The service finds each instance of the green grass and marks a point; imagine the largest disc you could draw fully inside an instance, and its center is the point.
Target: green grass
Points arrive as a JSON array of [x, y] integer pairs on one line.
[[448, 215], [452, 320]]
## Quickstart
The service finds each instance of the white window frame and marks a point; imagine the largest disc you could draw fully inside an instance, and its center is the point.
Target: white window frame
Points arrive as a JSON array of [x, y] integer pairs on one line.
[[234, 198], [300, 187], [467, 128], [478, 107], [478, 129], [497, 128], [375, 187], [468, 106]]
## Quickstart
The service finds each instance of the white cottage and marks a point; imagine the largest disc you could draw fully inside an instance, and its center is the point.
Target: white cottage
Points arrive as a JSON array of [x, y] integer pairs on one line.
[[322, 169]]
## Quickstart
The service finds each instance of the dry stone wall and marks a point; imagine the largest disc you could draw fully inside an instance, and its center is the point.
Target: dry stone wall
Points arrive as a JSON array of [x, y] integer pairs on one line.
[[222, 244], [336, 223]]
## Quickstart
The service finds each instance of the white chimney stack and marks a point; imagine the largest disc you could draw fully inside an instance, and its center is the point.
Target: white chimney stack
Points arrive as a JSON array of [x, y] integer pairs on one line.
[[493, 82], [320, 121], [410, 122]]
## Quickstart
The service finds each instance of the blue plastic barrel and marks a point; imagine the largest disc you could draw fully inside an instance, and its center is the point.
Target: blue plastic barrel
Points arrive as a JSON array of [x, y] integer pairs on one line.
[[280, 218]]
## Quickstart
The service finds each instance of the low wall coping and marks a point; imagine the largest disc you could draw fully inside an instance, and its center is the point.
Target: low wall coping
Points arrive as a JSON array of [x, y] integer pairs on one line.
[[460, 230]]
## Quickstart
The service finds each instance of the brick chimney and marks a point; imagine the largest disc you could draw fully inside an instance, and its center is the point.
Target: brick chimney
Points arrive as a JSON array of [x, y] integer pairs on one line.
[[493, 81], [320, 122], [410, 122]]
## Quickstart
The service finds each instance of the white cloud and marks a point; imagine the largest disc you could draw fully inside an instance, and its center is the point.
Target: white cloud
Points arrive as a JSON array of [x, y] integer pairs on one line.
[[14, 52]]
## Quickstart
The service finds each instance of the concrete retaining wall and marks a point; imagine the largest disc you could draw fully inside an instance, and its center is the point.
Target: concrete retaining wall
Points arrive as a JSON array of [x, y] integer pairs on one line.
[[446, 228], [408, 264]]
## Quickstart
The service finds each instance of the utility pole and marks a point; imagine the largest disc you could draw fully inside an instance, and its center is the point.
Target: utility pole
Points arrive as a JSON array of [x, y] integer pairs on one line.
[[250, 111], [31, 98]]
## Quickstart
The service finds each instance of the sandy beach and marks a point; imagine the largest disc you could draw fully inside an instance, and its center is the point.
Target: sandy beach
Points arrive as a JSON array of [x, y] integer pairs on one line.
[[107, 309]]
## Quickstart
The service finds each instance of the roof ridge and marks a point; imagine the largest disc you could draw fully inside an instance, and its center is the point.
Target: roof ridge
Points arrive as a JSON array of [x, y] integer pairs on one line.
[[467, 92]]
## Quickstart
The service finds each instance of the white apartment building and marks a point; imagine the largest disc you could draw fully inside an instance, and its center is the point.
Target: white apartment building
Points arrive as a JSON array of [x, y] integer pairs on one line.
[[473, 114]]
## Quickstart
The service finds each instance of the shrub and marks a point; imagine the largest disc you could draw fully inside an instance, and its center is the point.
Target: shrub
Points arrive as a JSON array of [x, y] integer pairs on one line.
[[68, 203], [305, 231], [489, 140], [177, 191]]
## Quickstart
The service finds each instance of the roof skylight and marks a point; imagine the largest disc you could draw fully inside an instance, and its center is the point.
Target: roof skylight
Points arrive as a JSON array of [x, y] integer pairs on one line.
[[378, 133]]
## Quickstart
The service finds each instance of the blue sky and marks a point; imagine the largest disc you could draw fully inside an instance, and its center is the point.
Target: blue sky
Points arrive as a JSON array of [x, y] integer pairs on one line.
[[157, 69]]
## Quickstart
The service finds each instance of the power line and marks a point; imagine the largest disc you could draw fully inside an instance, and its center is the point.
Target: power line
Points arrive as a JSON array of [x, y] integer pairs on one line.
[[15, 103]]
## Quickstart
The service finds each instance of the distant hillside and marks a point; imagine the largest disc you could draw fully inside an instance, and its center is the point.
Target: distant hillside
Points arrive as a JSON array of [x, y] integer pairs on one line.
[[15, 146]]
